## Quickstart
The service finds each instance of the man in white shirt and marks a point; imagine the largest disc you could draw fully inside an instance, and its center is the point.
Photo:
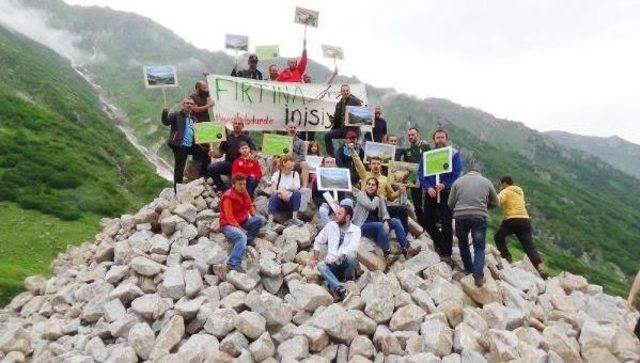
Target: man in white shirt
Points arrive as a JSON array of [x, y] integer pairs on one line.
[[342, 238]]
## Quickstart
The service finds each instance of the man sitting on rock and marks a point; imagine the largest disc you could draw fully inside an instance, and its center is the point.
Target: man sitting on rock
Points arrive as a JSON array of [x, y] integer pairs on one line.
[[238, 219], [342, 238], [470, 197]]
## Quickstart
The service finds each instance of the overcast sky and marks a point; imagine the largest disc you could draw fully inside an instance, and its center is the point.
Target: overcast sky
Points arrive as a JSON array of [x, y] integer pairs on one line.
[[571, 65]]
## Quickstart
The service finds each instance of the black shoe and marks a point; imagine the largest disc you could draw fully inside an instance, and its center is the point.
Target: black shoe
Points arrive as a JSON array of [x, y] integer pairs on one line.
[[342, 293], [479, 281]]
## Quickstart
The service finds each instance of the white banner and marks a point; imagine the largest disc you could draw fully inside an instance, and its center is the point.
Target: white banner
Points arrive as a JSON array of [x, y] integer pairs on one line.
[[267, 105]]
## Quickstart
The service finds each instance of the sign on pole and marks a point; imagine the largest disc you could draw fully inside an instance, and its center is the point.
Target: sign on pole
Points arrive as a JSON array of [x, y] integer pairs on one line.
[[331, 51], [307, 17], [403, 173], [210, 132], [160, 76], [437, 161], [266, 52], [237, 42]]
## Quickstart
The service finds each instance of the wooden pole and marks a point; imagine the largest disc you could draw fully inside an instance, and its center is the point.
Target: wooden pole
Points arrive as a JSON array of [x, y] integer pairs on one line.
[[164, 98], [438, 192]]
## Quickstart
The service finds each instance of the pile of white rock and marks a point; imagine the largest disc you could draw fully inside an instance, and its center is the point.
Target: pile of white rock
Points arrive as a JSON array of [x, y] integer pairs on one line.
[[145, 290]]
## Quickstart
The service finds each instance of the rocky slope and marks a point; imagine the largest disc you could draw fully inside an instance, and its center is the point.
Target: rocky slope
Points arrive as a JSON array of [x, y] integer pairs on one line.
[[146, 290]]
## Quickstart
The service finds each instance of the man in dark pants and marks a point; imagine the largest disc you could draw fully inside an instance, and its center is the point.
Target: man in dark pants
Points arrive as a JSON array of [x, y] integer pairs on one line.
[[338, 128], [231, 148], [252, 72], [413, 154], [470, 198], [201, 112], [516, 221], [182, 137], [435, 211], [379, 130]]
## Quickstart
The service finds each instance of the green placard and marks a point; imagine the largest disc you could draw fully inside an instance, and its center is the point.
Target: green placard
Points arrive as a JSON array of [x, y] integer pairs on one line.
[[437, 161], [273, 144], [209, 132], [265, 52]]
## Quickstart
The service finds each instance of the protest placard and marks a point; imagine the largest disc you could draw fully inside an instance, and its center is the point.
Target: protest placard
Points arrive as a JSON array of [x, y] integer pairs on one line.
[[274, 144], [358, 116], [437, 161], [400, 172], [385, 152], [266, 52], [160, 76], [331, 51], [210, 132], [334, 179], [313, 161], [307, 17], [237, 42], [264, 105]]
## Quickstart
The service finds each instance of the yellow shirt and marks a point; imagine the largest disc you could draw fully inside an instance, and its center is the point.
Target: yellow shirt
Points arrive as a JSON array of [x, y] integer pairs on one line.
[[512, 202], [384, 187]]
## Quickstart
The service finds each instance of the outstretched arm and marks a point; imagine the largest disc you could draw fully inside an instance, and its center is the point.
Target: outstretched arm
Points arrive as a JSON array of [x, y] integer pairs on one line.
[[302, 65]]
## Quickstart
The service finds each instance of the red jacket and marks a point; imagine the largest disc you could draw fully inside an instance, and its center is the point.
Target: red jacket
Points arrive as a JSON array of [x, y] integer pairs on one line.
[[248, 168], [296, 75], [235, 208]]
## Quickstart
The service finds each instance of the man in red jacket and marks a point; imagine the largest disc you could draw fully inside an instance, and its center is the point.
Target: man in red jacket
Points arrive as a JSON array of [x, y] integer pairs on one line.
[[238, 220], [295, 69]]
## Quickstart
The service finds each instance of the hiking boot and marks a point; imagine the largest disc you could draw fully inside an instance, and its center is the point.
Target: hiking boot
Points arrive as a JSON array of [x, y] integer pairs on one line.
[[542, 270], [448, 260], [221, 270], [298, 222], [479, 281], [390, 258], [342, 293], [236, 268]]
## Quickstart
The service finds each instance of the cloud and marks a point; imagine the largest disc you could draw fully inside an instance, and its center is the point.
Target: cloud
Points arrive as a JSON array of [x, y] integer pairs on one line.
[[33, 24]]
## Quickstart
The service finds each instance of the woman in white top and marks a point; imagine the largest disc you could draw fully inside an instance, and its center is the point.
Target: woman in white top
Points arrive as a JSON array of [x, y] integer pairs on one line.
[[285, 190]]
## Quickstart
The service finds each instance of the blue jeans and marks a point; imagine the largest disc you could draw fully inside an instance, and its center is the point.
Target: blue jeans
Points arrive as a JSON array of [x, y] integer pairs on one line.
[[375, 230], [478, 228], [240, 238], [278, 205], [252, 184], [330, 272]]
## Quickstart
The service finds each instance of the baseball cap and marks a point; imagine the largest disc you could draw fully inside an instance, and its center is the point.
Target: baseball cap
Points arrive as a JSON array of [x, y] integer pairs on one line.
[[346, 202]]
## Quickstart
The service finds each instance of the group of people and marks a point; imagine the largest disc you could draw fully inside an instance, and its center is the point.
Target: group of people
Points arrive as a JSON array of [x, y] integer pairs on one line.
[[374, 209]]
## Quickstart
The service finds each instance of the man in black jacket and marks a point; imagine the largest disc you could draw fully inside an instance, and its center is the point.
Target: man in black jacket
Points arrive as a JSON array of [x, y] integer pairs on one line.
[[231, 148], [379, 130], [338, 128], [182, 137], [251, 73], [201, 113]]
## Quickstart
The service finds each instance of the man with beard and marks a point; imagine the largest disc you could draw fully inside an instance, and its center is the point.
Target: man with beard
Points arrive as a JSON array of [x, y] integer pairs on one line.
[[413, 154], [201, 112], [231, 148], [181, 137], [341, 238], [379, 130], [337, 127], [252, 72], [435, 211]]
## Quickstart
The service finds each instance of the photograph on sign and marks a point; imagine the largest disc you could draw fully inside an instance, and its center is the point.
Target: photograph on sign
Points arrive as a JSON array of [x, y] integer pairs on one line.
[[334, 179], [307, 17], [160, 76], [210, 132], [385, 152], [313, 162], [403, 173], [237, 42], [265, 52], [437, 161], [330, 51], [358, 116], [273, 144]]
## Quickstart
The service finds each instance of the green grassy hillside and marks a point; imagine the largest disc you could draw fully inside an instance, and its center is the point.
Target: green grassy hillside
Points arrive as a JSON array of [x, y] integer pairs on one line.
[[62, 160]]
